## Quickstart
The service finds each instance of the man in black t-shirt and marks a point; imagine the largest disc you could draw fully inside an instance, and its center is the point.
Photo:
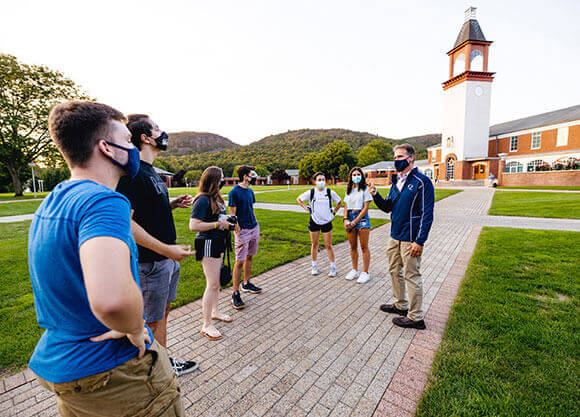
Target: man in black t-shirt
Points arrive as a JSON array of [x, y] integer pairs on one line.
[[154, 230]]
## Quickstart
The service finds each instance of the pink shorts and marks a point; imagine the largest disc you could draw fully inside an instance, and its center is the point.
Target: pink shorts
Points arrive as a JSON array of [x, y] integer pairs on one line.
[[247, 243]]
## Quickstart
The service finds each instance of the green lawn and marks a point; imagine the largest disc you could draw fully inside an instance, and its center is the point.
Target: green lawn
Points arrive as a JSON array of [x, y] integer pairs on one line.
[[24, 207], [26, 196], [284, 238], [512, 343], [289, 197], [536, 204], [547, 187]]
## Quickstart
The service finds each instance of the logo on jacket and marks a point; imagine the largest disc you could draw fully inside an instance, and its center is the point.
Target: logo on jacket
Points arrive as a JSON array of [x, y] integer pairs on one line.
[[410, 187]]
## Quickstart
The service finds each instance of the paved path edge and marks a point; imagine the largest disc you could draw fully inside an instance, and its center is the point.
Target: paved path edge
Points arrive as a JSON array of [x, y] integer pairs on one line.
[[410, 379]]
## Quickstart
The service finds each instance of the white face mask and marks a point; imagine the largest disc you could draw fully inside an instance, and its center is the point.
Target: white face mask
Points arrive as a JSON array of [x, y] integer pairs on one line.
[[356, 179], [320, 184]]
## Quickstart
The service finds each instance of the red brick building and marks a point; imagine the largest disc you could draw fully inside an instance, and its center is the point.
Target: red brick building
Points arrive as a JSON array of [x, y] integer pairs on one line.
[[538, 150]]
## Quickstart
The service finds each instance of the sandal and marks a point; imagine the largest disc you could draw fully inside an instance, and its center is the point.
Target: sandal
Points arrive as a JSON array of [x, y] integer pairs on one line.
[[223, 317], [211, 336]]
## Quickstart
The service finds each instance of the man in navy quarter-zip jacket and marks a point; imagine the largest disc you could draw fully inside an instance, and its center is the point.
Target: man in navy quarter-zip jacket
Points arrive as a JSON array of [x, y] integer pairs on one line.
[[411, 200]]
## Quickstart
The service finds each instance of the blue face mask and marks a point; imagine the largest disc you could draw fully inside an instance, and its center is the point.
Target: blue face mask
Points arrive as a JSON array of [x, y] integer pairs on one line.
[[132, 165], [356, 179], [401, 164]]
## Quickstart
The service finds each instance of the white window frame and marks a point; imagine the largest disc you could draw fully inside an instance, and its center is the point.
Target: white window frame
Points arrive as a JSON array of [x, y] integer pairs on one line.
[[514, 167], [534, 164], [562, 136], [513, 139], [536, 136], [450, 169]]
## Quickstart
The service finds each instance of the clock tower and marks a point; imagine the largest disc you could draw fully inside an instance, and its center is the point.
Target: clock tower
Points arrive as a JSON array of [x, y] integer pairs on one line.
[[466, 98]]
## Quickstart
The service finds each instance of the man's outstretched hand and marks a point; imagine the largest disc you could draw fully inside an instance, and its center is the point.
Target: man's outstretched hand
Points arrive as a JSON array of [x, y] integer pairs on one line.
[[183, 201]]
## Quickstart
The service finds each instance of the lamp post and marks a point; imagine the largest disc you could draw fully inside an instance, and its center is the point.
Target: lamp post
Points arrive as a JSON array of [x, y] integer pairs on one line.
[[32, 165]]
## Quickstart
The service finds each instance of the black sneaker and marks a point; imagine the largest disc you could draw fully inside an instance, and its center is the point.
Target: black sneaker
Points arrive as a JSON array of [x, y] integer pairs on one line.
[[237, 301], [182, 367], [249, 287]]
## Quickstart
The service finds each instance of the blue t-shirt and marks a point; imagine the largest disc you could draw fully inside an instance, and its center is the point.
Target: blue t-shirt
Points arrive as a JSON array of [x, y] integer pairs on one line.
[[243, 200], [74, 212]]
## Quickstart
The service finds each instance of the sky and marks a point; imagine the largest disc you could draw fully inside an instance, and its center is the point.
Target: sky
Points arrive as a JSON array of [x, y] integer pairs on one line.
[[248, 69]]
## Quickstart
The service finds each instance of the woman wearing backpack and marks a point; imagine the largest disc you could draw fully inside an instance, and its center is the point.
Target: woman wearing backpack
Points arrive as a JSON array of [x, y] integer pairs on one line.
[[357, 223], [208, 219], [321, 217]]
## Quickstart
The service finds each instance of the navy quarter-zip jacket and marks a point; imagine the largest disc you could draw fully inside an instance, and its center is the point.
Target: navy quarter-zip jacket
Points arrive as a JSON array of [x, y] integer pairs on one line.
[[412, 208]]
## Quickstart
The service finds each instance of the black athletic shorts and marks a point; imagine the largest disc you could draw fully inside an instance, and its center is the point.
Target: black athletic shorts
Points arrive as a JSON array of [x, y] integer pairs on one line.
[[209, 248], [324, 228]]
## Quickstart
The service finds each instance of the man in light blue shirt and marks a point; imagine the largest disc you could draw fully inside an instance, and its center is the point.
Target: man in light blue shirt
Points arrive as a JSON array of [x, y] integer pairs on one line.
[[96, 354]]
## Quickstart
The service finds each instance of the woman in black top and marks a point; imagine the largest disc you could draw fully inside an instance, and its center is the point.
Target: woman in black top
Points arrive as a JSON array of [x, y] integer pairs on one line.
[[208, 219]]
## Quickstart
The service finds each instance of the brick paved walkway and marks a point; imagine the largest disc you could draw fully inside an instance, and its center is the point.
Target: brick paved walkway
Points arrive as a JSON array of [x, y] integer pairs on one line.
[[311, 345]]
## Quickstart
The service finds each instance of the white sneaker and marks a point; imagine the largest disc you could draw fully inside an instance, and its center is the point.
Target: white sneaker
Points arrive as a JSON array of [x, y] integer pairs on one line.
[[352, 275], [364, 278], [332, 272], [315, 270]]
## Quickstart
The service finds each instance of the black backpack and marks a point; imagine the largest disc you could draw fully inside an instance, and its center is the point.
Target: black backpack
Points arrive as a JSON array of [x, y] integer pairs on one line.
[[226, 270]]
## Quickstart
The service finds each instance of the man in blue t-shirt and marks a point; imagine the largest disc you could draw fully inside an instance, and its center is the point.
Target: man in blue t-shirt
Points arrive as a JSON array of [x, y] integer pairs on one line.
[[241, 200], [96, 354]]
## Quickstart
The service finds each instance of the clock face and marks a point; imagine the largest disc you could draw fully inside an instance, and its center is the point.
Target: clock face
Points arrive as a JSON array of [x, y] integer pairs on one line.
[[478, 91]]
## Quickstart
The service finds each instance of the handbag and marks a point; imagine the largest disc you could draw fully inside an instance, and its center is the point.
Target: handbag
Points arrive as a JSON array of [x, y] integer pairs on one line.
[[226, 270]]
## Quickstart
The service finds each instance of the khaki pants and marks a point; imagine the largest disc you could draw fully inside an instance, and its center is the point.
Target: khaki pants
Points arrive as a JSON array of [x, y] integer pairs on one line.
[[399, 260], [145, 387]]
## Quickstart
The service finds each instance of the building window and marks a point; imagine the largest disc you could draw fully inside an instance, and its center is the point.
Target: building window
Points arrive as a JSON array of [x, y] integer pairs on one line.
[[533, 165], [562, 139], [429, 173], [536, 140], [513, 143], [450, 141], [450, 171], [476, 61], [514, 167]]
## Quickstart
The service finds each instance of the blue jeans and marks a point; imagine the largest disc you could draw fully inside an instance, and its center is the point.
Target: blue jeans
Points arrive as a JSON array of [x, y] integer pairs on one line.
[[364, 223]]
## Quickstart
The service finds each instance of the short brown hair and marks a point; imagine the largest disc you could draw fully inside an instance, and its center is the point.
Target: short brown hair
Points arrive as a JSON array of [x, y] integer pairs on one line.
[[244, 170], [317, 174], [409, 148], [139, 124], [77, 126]]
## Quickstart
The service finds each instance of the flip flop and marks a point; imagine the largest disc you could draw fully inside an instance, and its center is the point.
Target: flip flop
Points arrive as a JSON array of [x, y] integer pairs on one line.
[[210, 337], [225, 318]]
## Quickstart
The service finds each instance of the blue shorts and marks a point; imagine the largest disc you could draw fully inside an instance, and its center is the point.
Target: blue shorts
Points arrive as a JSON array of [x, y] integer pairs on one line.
[[364, 223]]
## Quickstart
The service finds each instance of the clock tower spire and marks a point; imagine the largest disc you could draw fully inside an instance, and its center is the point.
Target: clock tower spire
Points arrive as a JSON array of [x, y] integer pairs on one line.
[[467, 95]]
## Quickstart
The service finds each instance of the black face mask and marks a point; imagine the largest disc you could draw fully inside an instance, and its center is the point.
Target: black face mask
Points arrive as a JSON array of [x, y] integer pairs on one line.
[[222, 183], [252, 181], [161, 141]]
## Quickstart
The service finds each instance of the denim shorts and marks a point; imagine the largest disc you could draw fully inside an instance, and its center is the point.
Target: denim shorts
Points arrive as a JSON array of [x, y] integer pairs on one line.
[[364, 223]]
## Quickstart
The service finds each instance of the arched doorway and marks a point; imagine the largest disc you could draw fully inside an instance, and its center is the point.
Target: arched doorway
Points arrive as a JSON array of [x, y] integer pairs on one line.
[[450, 168]]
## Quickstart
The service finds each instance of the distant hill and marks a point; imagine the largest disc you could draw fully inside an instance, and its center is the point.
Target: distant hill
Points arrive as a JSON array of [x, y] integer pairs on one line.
[[424, 140], [279, 151], [187, 143]]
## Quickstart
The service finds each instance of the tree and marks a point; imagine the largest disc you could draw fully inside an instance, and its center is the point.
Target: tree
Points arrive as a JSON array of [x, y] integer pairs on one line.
[[27, 92], [308, 166], [51, 177], [368, 155], [280, 175], [193, 175], [335, 155], [376, 151], [262, 171], [343, 172]]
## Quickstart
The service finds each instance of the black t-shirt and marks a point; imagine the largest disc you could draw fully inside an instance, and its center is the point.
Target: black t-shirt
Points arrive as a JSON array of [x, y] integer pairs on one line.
[[202, 211], [150, 200]]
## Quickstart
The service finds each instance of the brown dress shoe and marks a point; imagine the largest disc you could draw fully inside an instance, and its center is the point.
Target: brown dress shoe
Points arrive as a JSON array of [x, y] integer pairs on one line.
[[406, 322], [391, 308]]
